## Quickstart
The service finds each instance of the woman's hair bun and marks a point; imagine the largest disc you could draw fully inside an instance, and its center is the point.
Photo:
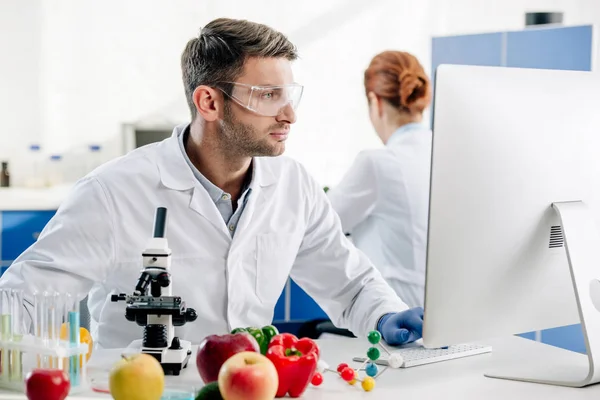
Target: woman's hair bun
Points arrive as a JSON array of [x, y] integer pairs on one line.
[[399, 78]]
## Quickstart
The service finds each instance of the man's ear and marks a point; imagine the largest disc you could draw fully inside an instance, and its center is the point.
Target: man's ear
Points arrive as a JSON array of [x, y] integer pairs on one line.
[[208, 102]]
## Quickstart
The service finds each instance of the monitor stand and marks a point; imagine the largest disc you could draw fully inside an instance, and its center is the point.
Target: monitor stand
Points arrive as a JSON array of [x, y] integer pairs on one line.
[[582, 243]]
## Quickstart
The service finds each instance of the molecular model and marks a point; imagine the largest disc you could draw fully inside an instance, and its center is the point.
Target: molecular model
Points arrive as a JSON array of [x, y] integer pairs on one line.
[[373, 372]]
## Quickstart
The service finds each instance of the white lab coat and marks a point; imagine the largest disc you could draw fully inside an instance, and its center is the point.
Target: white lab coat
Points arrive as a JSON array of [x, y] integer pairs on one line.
[[95, 241], [383, 202]]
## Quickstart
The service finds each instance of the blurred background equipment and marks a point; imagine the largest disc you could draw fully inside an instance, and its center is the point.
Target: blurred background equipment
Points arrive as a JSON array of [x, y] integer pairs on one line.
[[4, 175], [543, 18], [138, 135]]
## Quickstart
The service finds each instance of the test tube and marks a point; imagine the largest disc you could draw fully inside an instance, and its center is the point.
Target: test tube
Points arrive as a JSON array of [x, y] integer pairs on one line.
[[73, 333], [18, 330], [41, 324], [54, 314], [5, 330]]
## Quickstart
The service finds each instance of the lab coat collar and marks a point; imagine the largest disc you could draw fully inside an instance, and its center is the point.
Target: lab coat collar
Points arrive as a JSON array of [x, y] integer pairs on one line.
[[177, 175], [174, 171], [398, 133]]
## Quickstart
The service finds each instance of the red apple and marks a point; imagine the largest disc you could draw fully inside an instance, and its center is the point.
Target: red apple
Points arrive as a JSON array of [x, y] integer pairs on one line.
[[214, 350], [248, 376], [47, 384]]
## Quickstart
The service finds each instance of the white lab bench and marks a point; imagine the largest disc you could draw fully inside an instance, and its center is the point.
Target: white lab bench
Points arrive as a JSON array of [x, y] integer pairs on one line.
[[455, 379]]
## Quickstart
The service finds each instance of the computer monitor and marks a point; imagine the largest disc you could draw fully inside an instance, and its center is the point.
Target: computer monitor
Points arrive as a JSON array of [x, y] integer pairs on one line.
[[514, 218]]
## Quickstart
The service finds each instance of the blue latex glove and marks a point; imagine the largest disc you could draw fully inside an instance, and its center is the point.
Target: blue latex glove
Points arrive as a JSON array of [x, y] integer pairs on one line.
[[403, 327]]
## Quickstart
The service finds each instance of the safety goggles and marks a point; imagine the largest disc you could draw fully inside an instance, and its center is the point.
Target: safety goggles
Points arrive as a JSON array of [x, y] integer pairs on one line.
[[268, 101]]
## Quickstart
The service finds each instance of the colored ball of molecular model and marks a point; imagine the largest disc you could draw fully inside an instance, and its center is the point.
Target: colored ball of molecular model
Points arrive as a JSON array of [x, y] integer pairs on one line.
[[368, 384], [371, 369]]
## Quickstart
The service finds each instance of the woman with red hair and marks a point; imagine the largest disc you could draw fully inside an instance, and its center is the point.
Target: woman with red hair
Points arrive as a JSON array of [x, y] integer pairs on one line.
[[383, 199]]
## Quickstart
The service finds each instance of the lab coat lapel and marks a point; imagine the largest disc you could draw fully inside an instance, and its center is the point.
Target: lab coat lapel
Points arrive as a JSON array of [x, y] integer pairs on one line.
[[176, 174], [263, 184], [205, 206]]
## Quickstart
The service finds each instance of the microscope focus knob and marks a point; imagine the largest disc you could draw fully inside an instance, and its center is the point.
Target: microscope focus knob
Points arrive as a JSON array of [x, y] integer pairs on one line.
[[163, 279], [129, 314], [190, 315], [175, 344], [117, 297]]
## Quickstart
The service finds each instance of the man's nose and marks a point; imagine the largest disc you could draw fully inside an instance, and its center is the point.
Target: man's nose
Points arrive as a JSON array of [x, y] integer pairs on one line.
[[287, 114]]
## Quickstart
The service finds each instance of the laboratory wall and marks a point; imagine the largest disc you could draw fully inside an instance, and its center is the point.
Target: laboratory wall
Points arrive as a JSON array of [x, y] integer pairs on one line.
[[20, 90], [74, 72]]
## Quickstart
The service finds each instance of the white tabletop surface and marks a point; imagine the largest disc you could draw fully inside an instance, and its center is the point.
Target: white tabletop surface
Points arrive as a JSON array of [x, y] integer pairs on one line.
[[22, 198], [455, 379]]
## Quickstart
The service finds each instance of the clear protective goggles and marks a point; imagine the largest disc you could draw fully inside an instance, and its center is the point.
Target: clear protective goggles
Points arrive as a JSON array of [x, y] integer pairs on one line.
[[268, 101]]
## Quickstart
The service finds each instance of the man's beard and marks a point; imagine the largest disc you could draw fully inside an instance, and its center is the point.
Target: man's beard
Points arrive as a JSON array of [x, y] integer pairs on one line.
[[239, 139]]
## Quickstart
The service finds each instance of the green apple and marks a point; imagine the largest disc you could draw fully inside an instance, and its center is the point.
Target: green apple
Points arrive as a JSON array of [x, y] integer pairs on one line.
[[210, 391]]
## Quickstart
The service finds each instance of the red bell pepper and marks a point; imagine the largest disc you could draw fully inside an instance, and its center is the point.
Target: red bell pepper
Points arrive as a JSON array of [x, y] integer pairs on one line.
[[295, 361]]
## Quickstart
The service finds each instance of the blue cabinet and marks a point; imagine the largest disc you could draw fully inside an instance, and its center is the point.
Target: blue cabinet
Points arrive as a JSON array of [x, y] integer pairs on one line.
[[280, 307], [302, 306], [567, 337], [294, 308], [564, 48], [18, 231]]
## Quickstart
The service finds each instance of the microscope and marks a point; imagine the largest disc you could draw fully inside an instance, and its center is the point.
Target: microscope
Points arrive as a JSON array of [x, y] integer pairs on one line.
[[159, 312]]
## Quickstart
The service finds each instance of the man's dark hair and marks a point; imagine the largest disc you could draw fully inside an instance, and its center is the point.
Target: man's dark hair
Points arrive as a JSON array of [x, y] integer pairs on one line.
[[219, 53]]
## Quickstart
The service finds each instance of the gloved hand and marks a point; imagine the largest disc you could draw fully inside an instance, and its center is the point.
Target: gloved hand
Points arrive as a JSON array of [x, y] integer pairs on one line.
[[403, 327]]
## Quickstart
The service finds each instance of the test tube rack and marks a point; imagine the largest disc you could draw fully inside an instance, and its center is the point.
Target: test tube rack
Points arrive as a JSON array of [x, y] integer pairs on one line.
[[54, 343], [19, 357]]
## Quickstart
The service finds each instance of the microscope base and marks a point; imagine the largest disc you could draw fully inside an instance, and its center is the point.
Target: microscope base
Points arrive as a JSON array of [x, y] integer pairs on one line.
[[172, 360]]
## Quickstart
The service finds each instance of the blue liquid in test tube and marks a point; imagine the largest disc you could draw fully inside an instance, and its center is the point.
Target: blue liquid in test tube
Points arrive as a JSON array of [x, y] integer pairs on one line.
[[73, 322]]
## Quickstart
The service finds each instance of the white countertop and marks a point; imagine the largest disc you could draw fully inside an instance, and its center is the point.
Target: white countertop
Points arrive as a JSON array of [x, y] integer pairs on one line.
[[22, 198], [456, 379]]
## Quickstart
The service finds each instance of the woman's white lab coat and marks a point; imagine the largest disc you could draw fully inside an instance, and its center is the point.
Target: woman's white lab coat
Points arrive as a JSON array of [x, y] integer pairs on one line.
[[94, 244], [383, 203]]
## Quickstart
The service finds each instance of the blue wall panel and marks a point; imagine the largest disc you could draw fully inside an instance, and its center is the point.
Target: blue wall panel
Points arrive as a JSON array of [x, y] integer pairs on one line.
[[568, 48], [481, 49]]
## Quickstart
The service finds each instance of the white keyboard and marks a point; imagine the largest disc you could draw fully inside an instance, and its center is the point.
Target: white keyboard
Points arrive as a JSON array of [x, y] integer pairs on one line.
[[414, 356]]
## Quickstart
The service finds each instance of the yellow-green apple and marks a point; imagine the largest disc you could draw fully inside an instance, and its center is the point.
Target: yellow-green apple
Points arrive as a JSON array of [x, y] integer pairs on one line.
[[248, 376], [214, 350], [137, 377]]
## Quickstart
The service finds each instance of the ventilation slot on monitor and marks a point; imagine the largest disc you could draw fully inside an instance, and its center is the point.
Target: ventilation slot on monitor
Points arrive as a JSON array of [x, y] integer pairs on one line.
[[556, 237]]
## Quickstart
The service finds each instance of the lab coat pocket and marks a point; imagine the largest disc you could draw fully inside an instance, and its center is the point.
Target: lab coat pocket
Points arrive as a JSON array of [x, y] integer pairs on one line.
[[275, 255]]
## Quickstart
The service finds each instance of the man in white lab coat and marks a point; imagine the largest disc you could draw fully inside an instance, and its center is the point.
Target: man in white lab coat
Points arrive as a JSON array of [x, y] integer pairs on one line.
[[242, 218]]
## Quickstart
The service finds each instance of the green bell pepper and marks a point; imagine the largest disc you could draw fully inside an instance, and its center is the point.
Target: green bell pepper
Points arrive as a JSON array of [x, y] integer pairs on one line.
[[262, 335]]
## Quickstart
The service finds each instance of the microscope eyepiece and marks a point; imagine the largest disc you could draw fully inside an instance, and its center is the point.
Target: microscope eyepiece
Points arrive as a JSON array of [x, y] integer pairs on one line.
[[160, 222]]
